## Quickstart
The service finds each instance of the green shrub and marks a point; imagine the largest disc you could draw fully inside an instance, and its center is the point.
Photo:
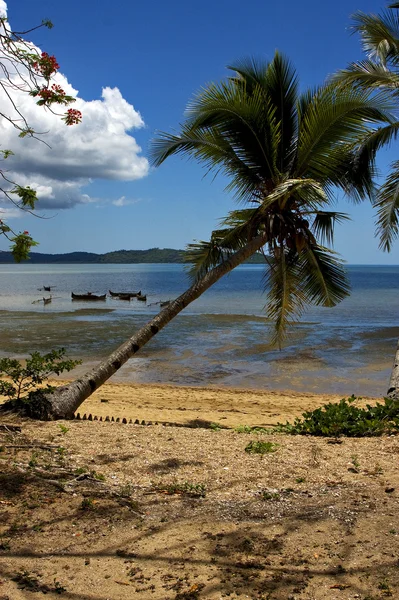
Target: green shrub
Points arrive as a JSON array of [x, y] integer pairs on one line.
[[345, 419], [256, 447], [27, 378]]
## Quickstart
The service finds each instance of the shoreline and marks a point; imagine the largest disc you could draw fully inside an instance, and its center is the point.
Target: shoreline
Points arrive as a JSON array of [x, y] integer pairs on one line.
[[227, 406]]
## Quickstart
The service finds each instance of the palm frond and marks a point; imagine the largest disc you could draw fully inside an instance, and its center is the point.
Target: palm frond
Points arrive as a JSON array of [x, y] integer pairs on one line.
[[324, 223], [204, 256], [323, 277], [278, 84], [285, 300], [379, 34], [368, 74], [308, 192], [334, 120], [388, 209]]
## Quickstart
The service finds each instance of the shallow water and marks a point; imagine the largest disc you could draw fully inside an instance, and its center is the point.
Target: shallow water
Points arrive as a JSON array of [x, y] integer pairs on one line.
[[221, 339]]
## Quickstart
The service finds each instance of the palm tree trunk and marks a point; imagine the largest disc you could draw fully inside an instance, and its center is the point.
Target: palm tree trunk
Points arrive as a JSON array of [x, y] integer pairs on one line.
[[65, 400], [393, 390]]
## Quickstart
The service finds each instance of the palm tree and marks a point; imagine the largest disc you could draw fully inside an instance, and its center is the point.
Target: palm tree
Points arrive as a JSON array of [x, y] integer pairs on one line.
[[285, 154], [380, 71]]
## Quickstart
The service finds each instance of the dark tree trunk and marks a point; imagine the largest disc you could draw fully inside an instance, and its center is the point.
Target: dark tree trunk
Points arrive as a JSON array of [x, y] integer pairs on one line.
[[393, 390], [66, 399]]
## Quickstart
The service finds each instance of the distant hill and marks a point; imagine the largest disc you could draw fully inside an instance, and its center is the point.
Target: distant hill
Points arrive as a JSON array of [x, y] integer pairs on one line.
[[153, 255]]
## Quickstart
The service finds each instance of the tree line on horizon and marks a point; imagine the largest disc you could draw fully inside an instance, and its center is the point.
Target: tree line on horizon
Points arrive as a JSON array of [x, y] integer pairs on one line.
[[152, 255]]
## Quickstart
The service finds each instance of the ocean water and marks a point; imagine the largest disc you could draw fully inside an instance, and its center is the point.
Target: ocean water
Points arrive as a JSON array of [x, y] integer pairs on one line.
[[222, 339]]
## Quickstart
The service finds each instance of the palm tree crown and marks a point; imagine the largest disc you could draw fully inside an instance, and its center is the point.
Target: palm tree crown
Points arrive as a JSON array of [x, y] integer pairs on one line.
[[285, 154], [379, 71]]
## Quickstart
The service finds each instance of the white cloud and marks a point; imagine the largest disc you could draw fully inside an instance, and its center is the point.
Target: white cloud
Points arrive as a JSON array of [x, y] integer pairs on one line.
[[3, 8], [100, 147], [122, 201]]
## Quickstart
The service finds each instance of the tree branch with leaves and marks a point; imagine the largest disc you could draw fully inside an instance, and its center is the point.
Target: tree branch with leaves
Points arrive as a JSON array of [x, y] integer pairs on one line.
[[23, 68]]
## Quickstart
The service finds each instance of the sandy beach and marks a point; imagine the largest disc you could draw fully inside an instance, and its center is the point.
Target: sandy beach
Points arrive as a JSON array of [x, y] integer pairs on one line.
[[112, 511], [228, 406]]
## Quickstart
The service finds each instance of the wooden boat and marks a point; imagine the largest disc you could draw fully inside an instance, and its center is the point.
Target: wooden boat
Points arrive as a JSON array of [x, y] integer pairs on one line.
[[119, 294], [88, 296], [165, 303], [142, 298], [125, 297], [46, 288], [47, 300]]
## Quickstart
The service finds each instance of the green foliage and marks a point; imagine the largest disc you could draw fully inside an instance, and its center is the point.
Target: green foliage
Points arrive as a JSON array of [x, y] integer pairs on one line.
[[215, 426], [87, 504], [344, 418], [194, 490], [257, 447], [29, 376], [21, 245], [27, 195], [249, 429], [6, 153]]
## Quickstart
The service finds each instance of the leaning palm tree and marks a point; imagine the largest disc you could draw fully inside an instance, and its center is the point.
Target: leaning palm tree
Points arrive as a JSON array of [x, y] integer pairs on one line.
[[285, 155]]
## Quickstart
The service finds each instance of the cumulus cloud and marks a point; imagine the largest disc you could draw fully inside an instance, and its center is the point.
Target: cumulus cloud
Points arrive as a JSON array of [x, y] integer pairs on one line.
[[100, 147]]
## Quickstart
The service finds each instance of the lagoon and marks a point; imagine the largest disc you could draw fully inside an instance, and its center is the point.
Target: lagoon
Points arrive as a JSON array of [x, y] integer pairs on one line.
[[219, 340]]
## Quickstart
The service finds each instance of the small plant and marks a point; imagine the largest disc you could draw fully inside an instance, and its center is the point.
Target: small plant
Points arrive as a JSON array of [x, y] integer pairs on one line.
[[344, 418], [33, 460], [385, 588], [87, 504], [215, 426], [27, 378], [58, 587], [80, 470], [63, 428], [243, 429], [126, 490], [270, 495], [98, 476], [257, 447], [300, 480], [249, 429], [194, 490], [355, 461], [61, 451]]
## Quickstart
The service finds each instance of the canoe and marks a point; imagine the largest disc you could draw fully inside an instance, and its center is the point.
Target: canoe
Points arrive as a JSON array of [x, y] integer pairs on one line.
[[119, 294], [124, 297], [165, 303], [47, 300], [88, 296], [142, 298]]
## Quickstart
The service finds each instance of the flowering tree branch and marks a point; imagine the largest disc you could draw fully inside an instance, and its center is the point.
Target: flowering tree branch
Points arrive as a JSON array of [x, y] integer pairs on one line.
[[24, 69]]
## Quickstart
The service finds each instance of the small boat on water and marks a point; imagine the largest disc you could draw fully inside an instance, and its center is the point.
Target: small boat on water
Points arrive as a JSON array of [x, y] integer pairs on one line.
[[125, 297], [47, 300], [165, 303], [88, 296], [142, 298], [46, 288], [119, 294]]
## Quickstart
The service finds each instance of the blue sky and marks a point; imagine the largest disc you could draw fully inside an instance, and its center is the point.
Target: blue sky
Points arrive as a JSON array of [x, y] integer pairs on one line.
[[158, 54]]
